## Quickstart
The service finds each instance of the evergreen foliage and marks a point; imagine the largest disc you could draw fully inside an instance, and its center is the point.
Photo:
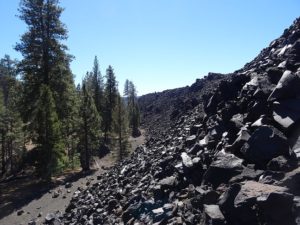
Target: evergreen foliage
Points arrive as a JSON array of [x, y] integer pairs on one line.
[[111, 94], [41, 107], [11, 125], [52, 157], [133, 108], [121, 128], [46, 65], [89, 129]]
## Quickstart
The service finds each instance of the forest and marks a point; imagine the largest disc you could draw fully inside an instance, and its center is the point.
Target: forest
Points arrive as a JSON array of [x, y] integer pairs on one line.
[[47, 122]]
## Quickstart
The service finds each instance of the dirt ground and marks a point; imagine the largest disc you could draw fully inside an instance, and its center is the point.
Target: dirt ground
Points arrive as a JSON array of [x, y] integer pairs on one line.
[[33, 199]]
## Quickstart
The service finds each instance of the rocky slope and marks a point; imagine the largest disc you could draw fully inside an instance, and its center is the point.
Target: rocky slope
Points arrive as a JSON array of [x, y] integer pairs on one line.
[[231, 157]]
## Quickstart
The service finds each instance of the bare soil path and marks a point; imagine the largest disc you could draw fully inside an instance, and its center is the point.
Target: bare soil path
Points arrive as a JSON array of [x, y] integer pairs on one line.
[[33, 200]]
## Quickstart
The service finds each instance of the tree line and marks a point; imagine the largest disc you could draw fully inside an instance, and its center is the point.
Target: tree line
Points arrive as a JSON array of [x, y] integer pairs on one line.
[[45, 120]]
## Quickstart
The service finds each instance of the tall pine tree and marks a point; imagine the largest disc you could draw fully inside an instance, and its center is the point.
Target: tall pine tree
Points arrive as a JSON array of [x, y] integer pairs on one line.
[[133, 109], [90, 128], [49, 142], [46, 63], [111, 93], [98, 86], [121, 128], [11, 125]]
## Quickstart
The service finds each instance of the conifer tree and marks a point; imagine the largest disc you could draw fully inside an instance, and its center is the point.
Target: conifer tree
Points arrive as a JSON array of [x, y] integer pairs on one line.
[[133, 108], [111, 94], [45, 62], [126, 88], [90, 128], [2, 133], [11, 125], [121, 128], [98, 86], [49, 139]]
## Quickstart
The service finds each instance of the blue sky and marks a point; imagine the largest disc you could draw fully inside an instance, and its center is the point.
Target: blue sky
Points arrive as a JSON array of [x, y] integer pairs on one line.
[[161, 44]]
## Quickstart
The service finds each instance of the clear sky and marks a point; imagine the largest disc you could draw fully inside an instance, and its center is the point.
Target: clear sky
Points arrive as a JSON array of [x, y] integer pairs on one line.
[[161, 44]]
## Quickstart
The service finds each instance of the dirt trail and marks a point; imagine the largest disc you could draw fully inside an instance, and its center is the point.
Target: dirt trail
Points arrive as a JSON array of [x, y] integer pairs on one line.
[[44, 202], [36, 200]]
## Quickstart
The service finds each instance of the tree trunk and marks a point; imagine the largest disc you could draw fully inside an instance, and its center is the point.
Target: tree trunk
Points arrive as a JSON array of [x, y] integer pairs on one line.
[[86, 161], [3, 154]]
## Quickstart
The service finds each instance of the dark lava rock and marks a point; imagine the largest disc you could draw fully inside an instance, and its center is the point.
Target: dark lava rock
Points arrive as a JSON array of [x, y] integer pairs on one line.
[[287, 112], [291, 180], [219, 137], [245, 201], [68, 185], [223, 169], [281, 163], [213, 215], [276, 208], [168, 182], [191, 140], [112, 204], [265, 143], [287, 87], [20, 212]]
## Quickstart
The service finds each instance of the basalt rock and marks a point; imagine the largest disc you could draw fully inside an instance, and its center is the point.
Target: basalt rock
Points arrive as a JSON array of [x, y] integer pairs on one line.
[[225, 150]]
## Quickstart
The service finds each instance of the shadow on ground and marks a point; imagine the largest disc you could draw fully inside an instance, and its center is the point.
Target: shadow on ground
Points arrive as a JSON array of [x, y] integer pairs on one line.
[[20, 191]]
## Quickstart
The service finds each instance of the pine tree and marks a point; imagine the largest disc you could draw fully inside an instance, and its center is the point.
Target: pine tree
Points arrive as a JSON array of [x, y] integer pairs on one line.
[[121, 128], [50, 144], [11, 125], [133, 108], [111, 94], [98, 86], [126, 88], [2, 133], [90, 128], [45, 62]]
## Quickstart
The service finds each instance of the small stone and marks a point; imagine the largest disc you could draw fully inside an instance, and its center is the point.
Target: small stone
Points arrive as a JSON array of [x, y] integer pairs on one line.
[[68, 185], [55, 194], [49, 217], [20, 212]]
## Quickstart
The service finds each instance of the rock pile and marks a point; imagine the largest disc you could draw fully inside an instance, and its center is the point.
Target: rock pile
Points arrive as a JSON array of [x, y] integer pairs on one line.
[[233, 158]]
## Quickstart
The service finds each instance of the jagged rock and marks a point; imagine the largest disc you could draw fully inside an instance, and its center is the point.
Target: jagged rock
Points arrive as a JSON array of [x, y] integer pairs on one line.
[[195, 149], [222, 169], [281, 163], [243, 137], [186, 160], [213, 215], [291, 180], [226, 202], [287, 87], [195, 129], [185, 165], [168, 182], [245, 201], [112, 204], [274, 74], [265, 143], [247, 174], [276, 208], [191, 140], [286, 112]]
